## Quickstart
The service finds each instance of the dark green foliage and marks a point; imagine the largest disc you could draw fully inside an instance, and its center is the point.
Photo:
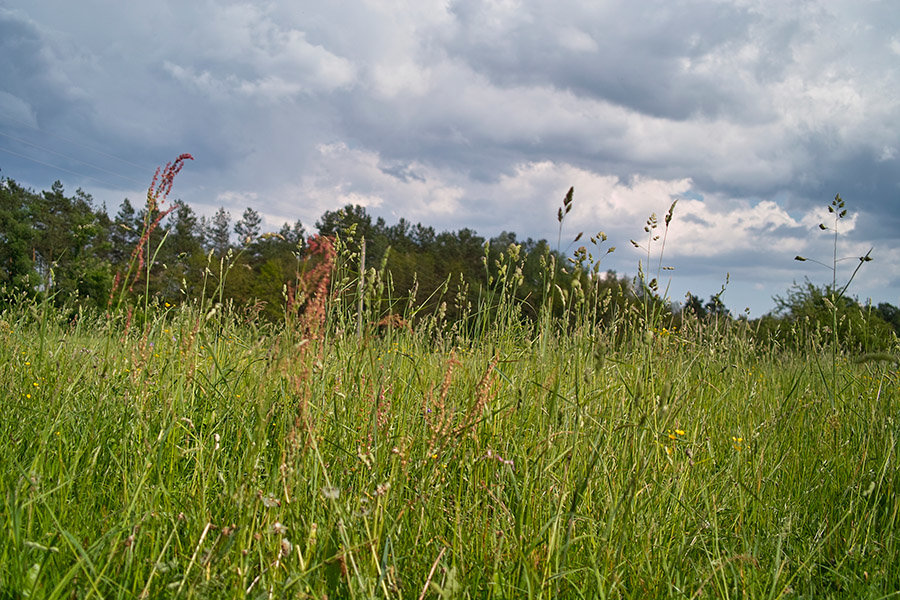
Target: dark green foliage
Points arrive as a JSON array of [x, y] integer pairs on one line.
[[807, 309], [124, 233], [219, 234], [716, 307], [53, 244], [185, 236], [351, 223], [248, 228], [890, 314], [694, 306], [16, 232]]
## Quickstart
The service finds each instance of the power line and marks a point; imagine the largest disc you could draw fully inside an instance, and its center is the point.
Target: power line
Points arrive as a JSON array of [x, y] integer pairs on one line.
[[57, 167], [93, 166], [70, 141]]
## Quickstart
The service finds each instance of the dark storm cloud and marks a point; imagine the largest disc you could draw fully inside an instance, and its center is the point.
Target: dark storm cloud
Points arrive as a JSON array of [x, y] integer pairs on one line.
[[31, 72], [630, 54]]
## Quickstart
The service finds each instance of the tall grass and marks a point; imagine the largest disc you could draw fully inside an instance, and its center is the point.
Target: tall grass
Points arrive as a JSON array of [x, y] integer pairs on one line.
[[353, 452], [204, 455]]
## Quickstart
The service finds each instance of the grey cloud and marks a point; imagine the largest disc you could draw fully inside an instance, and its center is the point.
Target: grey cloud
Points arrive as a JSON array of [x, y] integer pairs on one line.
[[638, 59], [402, 172], [32, 72], [697, 220]]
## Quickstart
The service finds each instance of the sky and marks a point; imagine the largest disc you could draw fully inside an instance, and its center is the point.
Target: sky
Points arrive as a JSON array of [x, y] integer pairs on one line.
[[751, 114]]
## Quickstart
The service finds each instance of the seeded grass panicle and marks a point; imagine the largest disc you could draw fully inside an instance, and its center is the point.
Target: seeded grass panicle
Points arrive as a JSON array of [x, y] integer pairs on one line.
[[833, 298], [839, 210]]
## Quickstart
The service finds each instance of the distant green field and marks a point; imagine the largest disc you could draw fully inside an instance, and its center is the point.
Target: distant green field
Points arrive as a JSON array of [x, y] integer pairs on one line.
[[194, 453]]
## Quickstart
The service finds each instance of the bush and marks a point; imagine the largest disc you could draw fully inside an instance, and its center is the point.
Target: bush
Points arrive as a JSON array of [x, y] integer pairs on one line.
[[822, 311]]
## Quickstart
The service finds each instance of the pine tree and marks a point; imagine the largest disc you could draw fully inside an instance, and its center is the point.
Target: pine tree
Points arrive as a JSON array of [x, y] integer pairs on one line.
[[219, 239], [248, 228], [185, 237], [124, 233], [294, 235]]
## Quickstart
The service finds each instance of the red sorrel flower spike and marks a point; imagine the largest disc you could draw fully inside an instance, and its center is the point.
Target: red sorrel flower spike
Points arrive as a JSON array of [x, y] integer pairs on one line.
[[163, 180], [159, 189]]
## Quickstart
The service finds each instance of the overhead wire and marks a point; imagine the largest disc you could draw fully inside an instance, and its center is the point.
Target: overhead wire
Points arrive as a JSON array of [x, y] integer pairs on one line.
[[72, 158], [78, 173], [57, 167], [8, 117]]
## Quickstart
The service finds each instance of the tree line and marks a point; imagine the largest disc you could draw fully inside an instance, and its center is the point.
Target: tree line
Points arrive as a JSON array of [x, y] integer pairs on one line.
[[69, 250]]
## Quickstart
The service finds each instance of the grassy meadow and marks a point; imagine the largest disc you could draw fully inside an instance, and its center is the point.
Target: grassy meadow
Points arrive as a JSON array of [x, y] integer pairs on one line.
[[347, 451], [199, 453]]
